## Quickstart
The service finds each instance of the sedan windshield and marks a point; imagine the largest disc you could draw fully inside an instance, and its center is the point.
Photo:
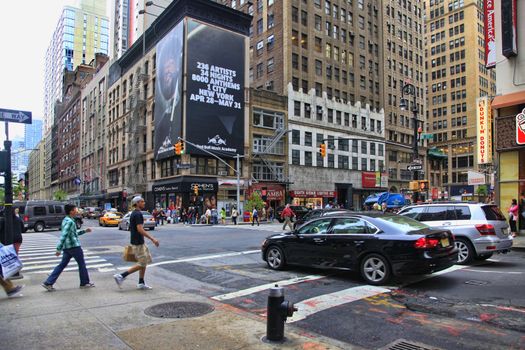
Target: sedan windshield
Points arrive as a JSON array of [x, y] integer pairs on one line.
[[403, 223]]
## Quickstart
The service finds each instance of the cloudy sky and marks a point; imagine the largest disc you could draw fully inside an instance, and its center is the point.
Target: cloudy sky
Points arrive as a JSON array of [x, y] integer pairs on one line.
[[26, 28]]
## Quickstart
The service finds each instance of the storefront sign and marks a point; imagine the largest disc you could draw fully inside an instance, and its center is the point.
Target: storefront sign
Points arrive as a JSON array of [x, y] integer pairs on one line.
[[475, 178], [312, 194], [520, 128], [186, 185], [374, 179], [166, 188], [490, 34], [435, 193], [484, 132]]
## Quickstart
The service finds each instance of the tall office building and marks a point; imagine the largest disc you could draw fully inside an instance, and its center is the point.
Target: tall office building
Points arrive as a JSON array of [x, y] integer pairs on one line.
[[80, 33], [456, 78], [33, 134], [326, 57], [403, 60], [128, 24]]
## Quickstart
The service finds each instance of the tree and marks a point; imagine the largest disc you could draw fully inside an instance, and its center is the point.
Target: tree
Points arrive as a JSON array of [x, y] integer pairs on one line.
[[60, 195], [254, 201], [19, 191], [482, 190]]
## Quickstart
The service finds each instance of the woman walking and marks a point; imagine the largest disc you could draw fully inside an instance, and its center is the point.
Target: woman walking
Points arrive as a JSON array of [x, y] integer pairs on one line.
[[235, 213], [513, 217], [70, 246], [18, 228]]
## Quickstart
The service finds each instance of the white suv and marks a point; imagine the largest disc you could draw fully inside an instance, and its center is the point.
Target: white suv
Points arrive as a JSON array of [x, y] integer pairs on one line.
[[480, 229]]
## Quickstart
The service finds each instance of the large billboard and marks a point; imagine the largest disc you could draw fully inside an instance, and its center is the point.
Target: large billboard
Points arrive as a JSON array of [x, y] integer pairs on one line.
[[214, 90], [484, 130], [168, 92]]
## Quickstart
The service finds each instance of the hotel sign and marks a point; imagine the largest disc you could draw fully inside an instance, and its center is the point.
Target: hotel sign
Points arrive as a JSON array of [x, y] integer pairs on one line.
[[490, 34], [520, 128], [484, 130]]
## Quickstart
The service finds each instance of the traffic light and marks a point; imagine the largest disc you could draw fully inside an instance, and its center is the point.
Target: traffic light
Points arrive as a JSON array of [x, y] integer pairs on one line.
[[179, 148], [322, 149], [196, 190]]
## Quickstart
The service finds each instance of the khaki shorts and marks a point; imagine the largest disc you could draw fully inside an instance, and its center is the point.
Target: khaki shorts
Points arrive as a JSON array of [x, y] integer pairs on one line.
[[142, 254]]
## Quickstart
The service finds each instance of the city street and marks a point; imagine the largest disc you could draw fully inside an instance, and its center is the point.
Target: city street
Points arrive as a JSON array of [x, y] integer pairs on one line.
[[465, 307]]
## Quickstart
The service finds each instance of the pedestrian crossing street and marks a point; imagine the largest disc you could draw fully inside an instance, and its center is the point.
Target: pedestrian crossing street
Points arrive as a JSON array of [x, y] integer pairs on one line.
[[37, 253]]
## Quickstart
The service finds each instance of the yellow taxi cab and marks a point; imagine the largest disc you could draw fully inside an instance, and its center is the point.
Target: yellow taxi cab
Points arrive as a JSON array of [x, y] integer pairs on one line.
[[110, 219]]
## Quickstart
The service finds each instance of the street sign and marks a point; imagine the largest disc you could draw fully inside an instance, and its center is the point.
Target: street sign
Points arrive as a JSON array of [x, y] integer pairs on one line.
[[12, 116], [414, 167], [184, 166], [417, 161]]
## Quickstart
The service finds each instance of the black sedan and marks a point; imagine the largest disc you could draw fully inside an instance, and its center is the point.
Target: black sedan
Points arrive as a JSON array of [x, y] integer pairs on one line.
[[316, 213], [375, 244]]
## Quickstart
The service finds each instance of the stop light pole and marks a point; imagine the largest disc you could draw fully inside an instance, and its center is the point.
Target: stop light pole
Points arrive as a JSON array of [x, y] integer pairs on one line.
[[8, 200]]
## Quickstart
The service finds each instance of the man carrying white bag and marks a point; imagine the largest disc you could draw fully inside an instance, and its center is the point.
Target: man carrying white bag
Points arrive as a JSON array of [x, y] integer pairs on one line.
[[11, 265]]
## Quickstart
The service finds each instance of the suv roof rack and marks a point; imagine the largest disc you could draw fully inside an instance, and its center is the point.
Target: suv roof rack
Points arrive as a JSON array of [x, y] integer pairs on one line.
[[450, 202]]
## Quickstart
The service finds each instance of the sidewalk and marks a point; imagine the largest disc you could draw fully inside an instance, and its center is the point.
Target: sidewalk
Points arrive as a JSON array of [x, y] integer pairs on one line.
[[106, 317], [519, 243]]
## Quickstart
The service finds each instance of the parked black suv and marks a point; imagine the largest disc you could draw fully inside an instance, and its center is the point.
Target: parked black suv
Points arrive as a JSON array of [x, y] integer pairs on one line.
[[299, 211]]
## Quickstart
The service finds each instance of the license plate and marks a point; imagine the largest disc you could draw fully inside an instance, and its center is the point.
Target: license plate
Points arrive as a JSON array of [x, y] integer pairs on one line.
[[445, 242]]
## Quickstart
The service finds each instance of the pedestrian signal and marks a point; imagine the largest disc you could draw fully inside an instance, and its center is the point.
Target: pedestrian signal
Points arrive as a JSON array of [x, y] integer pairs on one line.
[[322, 149]]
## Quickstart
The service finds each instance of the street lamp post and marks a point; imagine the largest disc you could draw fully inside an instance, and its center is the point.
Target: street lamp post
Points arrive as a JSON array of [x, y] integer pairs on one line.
[[410, 89]]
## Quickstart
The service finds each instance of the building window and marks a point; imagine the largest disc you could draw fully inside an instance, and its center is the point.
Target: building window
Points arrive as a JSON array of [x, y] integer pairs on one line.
[[296, 157], [296, 137], [308, 138], [342, 162], [364, 147], [363, 164], [308, 158]]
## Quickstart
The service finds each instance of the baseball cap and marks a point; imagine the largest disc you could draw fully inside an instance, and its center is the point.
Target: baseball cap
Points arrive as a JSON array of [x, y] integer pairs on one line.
[[136, 199]]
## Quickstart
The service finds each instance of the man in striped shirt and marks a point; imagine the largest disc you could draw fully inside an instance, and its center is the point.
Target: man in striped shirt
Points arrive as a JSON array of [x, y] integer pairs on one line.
[[70, 246]]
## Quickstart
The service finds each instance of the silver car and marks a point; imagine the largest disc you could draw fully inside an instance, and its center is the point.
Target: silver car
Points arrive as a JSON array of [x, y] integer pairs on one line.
[[149, 221], [480, 229]]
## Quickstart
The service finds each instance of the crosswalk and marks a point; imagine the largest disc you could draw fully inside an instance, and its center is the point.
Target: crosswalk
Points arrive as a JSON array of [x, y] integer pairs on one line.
[[37, 253]]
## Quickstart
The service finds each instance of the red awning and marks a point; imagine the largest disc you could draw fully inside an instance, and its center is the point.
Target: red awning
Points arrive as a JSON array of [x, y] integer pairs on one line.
[[507, 100]]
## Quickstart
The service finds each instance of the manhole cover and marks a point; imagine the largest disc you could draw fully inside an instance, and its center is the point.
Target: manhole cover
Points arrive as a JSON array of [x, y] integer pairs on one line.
[[402, 344], [179, 309], [477, 283]]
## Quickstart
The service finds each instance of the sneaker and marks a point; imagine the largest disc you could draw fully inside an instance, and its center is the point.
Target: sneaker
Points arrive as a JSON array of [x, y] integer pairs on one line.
[[87, 285], [118, 279], [143, 286], [14, 292], [48, 287]]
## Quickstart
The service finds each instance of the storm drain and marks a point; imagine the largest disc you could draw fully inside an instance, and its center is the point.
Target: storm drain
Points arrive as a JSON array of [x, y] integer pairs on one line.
[[402, 344], [179, 309]]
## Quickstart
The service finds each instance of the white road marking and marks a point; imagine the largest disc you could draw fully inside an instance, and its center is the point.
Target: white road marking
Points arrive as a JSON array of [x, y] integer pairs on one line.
[[503, 272], [56, 260], [73, 262], [205, 257], [327, 301], [71, 268], [262, 287], [50, 252]]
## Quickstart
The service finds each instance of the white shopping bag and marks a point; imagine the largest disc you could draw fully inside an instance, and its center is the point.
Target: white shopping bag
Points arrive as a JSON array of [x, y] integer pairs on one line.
[[10, 262]]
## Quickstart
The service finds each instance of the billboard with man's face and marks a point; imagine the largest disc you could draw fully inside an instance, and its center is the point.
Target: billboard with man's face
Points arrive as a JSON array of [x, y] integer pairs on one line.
[[215, 90], [168, 92]]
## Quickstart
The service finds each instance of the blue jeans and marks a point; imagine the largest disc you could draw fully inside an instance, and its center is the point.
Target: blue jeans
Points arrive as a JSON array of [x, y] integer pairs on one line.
[[78, 254]]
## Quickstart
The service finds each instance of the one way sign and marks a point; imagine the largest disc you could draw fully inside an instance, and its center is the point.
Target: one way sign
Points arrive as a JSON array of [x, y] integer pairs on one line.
[[414, 167], [12, 116]]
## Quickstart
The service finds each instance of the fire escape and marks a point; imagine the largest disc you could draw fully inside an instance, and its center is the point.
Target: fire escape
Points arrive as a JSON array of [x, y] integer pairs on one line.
[[136, 129], [268, 149]]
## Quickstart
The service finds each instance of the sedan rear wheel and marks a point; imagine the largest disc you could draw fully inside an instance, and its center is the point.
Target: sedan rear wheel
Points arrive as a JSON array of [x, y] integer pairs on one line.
[[465, 251], [375, 269], [275, 258]]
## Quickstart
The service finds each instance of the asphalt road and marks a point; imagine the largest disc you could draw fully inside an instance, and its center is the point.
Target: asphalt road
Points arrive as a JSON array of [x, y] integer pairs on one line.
[[475, 307]]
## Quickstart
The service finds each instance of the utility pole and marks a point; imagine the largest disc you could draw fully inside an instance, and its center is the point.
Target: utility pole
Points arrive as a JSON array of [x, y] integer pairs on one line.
[[410, 89]]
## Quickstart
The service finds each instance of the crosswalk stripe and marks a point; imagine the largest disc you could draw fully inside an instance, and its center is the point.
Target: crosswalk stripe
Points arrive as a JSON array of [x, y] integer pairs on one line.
[[262, 287], [326, 301], [56, 260], [56, 263], [67, 269], [50, 252], [37, 250], [205, 257]]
